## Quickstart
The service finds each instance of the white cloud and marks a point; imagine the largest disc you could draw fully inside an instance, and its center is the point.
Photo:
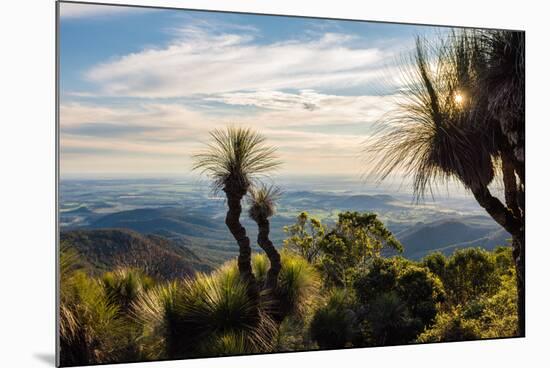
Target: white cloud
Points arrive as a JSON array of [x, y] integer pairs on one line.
[[326, 139], [198, 62], [76, 10], [315, 132], [310, 107]]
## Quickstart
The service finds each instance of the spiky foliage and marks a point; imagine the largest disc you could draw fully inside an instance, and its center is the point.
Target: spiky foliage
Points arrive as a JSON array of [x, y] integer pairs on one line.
[[262, 201], [89, 324], [68, 323], [196, 316], [124, 285], [260, 266], [262, 207], [235, 156], [230, 343], [298, 283], [503, 84], [462, 110], [154, 310], [428, 136]]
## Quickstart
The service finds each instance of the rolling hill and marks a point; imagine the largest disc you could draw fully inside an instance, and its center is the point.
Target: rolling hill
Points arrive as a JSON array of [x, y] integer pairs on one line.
[[450, 234], [163, 220], [105, 249]]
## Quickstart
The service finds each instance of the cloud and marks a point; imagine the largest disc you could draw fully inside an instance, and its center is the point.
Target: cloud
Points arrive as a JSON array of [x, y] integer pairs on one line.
[[324, 139], [208, 77], [76, 10], [308, 107], [200, 62]]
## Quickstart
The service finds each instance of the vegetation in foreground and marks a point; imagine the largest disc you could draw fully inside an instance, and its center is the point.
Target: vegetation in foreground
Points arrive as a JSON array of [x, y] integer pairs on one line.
[[347, 295]]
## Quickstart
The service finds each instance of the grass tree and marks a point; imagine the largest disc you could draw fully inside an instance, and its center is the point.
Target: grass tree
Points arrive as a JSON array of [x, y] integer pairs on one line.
[[458, 116], [233, 159], [262, 207], [205, 316], [89, 328]]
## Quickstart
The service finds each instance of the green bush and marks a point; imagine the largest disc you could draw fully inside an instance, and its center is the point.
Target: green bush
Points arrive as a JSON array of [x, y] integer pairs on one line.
[[470, 274], [399, 299], [194, 314], [89, 325], [451, 326], [333, 324], [124, 285]]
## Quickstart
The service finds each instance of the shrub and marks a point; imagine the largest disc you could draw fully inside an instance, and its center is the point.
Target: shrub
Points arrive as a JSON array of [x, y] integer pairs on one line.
[[451, 326], [124, 285], [436, 263], [192, 315], [399, 299], [333, 324], [298, 286], [89, 325], [469, 275]]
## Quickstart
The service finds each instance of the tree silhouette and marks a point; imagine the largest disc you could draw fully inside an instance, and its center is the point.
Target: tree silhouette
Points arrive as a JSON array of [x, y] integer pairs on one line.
[[232, 159], [262, 207], [460, 116]]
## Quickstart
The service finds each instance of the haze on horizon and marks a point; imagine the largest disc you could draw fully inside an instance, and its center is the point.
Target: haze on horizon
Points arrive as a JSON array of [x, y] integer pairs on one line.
[[141, 88]]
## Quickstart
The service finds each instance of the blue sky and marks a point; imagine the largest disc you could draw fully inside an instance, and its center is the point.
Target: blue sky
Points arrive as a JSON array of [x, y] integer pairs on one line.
[[141, 88]]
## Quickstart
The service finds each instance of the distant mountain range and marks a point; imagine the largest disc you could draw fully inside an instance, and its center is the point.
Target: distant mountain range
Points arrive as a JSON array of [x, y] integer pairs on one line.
[[167, 220], [354, 202], [209, 237], [448, 235], [106, 249], [189, 216]]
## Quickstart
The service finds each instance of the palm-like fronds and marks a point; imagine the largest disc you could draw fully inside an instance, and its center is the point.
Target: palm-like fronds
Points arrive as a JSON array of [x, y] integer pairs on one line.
[[504, 77], [229, 343], [154, 310], [235, 156], [429, 136], [260, 266], [299, 285], [124, 285], [89, 325], [262, 201], [193, 315]]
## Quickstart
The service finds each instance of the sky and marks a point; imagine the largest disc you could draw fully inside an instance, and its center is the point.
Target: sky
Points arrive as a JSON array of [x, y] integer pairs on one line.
[[140, 89]]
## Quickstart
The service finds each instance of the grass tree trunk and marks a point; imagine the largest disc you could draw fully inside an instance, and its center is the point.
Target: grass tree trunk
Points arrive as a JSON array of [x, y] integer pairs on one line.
[[515, 226], [518, 243], [272, 254], [232, 220], [512, 194]]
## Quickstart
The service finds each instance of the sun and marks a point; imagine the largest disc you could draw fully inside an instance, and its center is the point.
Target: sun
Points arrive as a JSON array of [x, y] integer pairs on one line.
[[459, 99]]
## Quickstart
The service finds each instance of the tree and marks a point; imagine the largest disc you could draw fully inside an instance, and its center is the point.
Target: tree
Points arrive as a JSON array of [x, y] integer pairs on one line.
[[233, 158], [356, 239], [469, 275], [399, 299], [262, 207], [305, 237], [461, 111]]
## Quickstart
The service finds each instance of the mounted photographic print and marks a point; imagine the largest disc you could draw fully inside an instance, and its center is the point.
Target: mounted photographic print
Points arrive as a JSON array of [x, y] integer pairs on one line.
[[234, 184]]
